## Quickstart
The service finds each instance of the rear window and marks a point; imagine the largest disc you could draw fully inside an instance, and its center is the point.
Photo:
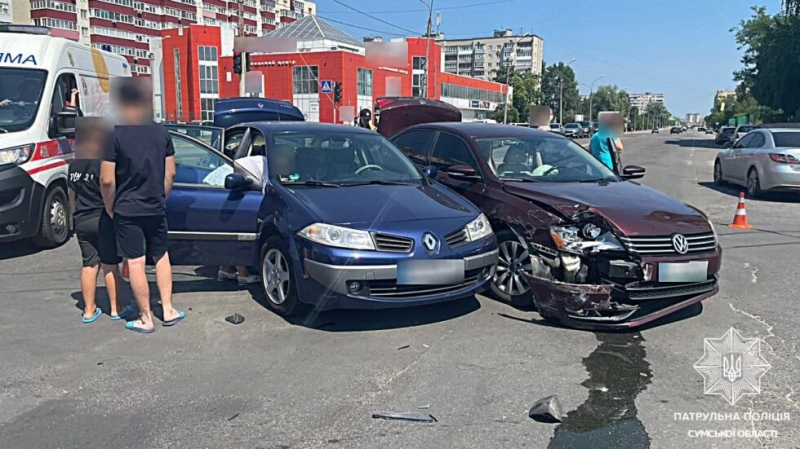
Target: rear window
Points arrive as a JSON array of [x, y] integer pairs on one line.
[[747, 129], [726, 131], [787, 139]]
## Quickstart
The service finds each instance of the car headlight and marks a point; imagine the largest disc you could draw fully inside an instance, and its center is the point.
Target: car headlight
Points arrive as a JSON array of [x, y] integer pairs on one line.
[[578, 240], [16, 155], [338, 237], [478, 228]]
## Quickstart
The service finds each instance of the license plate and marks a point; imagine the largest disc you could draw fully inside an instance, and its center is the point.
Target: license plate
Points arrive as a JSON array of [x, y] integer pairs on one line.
[[430, 272], [696, 271]]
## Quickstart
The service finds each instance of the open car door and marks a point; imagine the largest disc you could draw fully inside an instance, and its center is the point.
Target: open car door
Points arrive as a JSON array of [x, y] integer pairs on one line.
[[211, 223], [394, 114], [212, 136]]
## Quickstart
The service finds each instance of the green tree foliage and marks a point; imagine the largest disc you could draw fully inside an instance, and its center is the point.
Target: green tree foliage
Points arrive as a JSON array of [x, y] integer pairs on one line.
[[606, 98], [553, 78], [499, 114], [526, 92]]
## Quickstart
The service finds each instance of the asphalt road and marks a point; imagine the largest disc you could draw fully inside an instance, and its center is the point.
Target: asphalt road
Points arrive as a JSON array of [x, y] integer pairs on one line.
[[478, 364]]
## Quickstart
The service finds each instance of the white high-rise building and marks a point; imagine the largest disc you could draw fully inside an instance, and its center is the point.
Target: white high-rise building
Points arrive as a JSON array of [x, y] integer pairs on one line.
[[640, 101], [481, 57]]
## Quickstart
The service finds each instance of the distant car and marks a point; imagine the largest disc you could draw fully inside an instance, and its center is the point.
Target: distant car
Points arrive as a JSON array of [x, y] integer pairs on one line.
[[724, 135], [573, 130], [701, 129], [709, 131], [741, 130], [654, 131], [556, 128], [588, 128], [674, 130], [763, 160]]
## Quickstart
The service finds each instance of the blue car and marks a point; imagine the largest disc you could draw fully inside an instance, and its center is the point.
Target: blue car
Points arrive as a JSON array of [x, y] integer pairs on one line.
[[345, 220]]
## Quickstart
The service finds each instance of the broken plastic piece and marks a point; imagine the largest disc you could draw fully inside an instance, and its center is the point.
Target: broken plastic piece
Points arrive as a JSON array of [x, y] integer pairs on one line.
[[424, 407], [413, 417], [235, 319], [404, 347], [546, 410]]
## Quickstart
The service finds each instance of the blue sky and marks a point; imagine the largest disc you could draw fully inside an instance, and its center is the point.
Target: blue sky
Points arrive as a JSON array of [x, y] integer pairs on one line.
[[682, 48]]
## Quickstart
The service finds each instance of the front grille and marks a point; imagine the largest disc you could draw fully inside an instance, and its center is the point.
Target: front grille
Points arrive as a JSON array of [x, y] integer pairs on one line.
[[642, 291], [457, 238], [9, 196], [662, 246], [389, 288], [393, 243]]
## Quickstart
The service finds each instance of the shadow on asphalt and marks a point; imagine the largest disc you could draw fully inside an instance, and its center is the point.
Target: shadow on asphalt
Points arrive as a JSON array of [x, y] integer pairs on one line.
[[694, 143], [17, 249], [769, 197]]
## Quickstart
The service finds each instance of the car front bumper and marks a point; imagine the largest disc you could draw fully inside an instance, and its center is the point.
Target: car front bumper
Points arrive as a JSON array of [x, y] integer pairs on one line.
[[330, 285], [20, 203], [619, 303]]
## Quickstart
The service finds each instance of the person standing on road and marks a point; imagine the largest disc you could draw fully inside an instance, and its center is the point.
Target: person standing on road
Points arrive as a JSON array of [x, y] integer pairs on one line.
[[93, 225], [136, 177], [605, 144], [365, 120]]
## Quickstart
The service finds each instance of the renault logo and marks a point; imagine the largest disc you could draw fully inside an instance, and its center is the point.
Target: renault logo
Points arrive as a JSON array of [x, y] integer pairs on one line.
[[680, 244], [430, 241]]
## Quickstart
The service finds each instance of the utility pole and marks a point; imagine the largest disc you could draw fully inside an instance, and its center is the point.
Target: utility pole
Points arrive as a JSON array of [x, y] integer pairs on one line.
[[244, 54], [505, 106], [561, 93], [427, 47], [591, 98]]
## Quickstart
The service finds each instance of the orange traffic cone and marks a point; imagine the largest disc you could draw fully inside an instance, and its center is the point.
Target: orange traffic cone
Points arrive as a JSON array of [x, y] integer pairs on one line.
[[125, 272], [740, 219]]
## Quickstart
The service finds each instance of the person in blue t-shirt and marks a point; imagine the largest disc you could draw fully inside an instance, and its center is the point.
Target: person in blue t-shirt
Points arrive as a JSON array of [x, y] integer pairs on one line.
[[608, 132]]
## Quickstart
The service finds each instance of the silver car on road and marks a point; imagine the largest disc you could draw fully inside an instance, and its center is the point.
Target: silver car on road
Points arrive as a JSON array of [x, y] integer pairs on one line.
[[762, 160]]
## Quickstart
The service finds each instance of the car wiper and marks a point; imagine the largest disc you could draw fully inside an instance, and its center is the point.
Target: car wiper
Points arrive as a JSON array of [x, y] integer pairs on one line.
[[380, 182], [519, 179], [311, 183]]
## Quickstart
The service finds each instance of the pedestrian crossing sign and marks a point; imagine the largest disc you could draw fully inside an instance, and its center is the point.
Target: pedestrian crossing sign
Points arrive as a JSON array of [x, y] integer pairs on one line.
[[326, 86]]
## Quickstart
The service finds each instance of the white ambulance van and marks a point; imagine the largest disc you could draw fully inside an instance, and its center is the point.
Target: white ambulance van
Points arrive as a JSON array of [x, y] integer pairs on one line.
[[37, 128]]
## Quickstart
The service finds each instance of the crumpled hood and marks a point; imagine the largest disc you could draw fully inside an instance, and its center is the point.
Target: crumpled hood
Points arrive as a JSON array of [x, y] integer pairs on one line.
[[635, 209], [376, 203]]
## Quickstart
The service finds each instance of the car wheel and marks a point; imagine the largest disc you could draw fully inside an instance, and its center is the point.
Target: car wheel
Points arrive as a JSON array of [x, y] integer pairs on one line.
[[277, 281], [753, 184], [56, 218], [508, 283], [718, 180]]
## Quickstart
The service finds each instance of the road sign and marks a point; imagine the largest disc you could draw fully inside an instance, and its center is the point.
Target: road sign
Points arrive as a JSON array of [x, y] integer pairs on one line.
[[326, 86]]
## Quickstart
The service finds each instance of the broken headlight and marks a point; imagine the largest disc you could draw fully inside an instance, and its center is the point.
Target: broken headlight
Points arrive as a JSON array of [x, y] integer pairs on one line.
[[583, 239]]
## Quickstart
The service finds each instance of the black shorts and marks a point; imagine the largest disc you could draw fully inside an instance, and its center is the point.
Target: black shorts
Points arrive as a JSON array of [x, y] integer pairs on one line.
[[141, 236], [97, 240]]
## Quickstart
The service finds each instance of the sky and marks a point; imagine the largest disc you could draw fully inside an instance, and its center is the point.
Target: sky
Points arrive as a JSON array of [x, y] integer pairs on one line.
[[681, 48]]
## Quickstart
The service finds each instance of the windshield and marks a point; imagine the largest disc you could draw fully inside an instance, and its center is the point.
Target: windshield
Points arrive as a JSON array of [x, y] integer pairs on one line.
[[787, 139], [555, 126], [20, 95], [572, 125], [340, 158], [208, 135], [726, 131], [542, 159]]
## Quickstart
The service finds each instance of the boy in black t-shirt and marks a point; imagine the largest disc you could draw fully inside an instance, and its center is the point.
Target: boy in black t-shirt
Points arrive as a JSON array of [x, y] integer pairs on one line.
[[93, 226], [136, 177]]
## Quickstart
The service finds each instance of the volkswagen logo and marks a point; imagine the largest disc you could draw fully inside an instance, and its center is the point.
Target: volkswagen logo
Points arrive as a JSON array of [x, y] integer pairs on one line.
[[430, 241], [680, 244]]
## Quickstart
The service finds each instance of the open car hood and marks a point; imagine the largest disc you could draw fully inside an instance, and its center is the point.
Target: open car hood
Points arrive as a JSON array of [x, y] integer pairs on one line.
[[634, 209], [398, 113]]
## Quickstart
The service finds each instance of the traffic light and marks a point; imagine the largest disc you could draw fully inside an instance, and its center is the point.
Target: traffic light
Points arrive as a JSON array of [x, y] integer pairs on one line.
[[247, 62], [237, 63], [337, 93]]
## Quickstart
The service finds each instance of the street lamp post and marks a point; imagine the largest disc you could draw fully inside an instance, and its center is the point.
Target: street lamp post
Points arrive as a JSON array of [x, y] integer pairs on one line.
[[591, 99], [561, 94], [508, 72], [427, 46]]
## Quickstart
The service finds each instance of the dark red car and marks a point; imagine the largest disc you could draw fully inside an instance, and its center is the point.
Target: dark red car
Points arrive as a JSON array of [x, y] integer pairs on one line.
[[595, 250]]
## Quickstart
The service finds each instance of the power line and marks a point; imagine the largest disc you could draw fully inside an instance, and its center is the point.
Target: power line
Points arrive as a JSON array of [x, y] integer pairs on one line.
[[391, 33], [375, 18], [425, 10]]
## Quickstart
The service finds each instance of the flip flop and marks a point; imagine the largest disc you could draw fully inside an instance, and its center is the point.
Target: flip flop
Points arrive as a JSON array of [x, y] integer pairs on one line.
[[97, 313], [125, 313], [130, 326], [181, 316]]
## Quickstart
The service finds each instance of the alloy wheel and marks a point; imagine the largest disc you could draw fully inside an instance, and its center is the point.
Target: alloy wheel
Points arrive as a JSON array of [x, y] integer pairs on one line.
[[514, 260], [275, 276]]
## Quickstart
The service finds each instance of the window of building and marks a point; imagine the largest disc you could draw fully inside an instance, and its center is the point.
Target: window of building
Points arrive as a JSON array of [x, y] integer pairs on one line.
[[207, 53], [209, 82], [419, 63], [305, 79], [178, 97], [207, 109], [416, 85], [365, 82]]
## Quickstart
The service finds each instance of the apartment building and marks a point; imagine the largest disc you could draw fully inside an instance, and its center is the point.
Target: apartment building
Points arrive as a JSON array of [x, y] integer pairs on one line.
[[6, 15], [127, 26], [640, 101], [723, 98], [481, 57]]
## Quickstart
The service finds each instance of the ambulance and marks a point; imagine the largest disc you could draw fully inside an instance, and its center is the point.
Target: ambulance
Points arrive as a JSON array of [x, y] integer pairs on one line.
[[37, 126]]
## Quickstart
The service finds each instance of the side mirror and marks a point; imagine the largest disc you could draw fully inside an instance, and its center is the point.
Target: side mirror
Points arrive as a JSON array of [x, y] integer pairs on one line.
[[236, 181], [728, 144], [463, 172], [430, 171], [632, 172], [63, 123]]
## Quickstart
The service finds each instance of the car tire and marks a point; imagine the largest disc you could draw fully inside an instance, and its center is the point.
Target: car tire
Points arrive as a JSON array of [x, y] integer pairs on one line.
[[718, 179], [56, 225], [277, 278], [511, 254], [753, 184]]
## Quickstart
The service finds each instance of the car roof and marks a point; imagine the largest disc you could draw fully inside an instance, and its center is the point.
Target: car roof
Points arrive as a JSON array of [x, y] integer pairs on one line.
[[309, 127], [479, 130]]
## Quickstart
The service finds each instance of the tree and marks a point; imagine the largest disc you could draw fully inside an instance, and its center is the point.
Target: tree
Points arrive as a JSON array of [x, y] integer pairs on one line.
[[552, 78], [608, 98], [499, 114], [526, 91]]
